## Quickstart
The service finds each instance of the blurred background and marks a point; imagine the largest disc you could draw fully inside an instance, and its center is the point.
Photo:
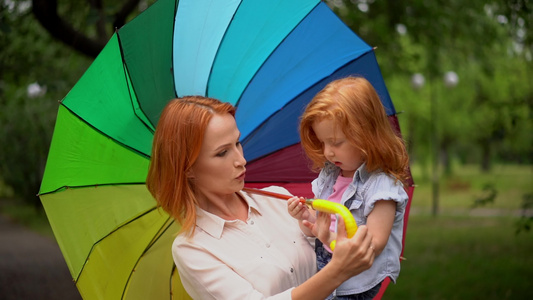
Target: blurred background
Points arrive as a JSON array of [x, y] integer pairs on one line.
[[459, 72]]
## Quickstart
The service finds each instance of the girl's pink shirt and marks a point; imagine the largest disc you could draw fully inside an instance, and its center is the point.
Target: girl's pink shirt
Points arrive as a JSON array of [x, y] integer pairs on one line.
[[341, 184]]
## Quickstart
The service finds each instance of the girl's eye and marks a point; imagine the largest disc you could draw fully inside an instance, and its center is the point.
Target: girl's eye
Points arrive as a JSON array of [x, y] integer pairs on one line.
[[337, 143], [221, 153]]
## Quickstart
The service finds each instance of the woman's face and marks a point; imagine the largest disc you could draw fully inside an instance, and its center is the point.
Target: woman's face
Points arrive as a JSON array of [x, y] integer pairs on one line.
[[219, 169]]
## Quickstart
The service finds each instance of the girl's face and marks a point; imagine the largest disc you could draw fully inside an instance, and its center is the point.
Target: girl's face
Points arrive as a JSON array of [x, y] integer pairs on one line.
[[219, 169], [337, 148]]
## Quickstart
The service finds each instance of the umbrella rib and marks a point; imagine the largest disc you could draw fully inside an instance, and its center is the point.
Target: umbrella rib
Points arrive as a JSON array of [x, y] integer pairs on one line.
[[160, 233], [103, 133], [110, 233], [271, 53], [130, 84], [218, 50], [170, 281], [66, 187], [296, 97]]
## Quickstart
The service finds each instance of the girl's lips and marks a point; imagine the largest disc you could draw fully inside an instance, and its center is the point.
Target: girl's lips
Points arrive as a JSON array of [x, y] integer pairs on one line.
[[242, 176], [338, 163]]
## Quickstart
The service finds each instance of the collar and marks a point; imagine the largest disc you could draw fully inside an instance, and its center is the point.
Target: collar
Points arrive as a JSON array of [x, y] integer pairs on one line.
[[361, 174], [214, 225]]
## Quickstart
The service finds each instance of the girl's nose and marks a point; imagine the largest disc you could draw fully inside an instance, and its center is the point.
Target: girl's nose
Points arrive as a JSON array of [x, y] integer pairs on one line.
[[327, 151]]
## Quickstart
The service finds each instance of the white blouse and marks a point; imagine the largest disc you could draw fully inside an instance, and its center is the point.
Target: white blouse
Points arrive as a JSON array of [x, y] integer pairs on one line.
[[263, 258]]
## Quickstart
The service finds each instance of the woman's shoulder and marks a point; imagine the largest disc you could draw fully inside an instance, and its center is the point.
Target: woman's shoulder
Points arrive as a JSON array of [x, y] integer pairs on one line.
[[277, 189], [258, 201]]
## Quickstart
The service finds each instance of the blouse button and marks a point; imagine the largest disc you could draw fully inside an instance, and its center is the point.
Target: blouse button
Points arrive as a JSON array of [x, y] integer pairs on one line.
[[267, 245], [252, 222], [292, 270]]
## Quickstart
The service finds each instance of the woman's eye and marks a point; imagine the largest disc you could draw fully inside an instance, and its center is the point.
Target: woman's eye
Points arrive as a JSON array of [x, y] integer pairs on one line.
[[221, 153]]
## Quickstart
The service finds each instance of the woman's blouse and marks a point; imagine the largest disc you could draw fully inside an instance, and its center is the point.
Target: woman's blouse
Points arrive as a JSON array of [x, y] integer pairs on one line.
[[264, 257]]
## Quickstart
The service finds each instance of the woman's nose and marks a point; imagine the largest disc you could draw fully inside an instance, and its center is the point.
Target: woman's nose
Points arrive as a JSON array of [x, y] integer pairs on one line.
[[240, 160]]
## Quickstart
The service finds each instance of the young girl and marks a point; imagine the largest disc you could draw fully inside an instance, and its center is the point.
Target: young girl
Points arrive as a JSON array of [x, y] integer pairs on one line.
[[346, 134]]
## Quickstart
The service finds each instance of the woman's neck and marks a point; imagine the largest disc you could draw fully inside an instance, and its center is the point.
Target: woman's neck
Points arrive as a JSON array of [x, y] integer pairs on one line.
[[228, 207]]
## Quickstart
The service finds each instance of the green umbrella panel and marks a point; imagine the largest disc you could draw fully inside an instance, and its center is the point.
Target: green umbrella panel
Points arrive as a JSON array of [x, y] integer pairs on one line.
[[94, 194]]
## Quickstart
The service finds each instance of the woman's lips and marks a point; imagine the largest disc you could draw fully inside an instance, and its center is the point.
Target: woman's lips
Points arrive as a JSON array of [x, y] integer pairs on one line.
[[242, 176]]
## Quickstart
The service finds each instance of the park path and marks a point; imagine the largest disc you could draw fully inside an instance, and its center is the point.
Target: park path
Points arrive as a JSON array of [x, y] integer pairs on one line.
[[32, 266]]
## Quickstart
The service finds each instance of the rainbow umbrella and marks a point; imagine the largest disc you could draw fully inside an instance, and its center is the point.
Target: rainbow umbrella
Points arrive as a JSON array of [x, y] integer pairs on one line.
[[266, 57]]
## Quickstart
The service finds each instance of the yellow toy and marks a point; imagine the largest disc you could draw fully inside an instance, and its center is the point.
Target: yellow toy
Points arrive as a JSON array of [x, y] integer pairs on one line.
[[319, 205]]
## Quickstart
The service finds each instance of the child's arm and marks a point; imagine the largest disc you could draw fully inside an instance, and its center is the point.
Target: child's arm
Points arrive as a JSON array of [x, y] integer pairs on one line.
[[301, 212], [320, 228], [379, 223]]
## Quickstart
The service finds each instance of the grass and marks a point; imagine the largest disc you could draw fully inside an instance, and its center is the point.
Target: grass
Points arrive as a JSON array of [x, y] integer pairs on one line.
[[459, 191], [462, 257], [463, 253], [28, 216]]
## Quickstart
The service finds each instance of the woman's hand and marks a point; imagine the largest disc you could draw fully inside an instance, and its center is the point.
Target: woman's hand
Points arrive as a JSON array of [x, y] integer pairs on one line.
[[350, 258], [355, 255]]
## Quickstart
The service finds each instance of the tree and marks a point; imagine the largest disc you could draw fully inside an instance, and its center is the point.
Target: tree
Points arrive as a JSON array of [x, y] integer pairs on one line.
[[98, 21], [30, 58], [478, 40]]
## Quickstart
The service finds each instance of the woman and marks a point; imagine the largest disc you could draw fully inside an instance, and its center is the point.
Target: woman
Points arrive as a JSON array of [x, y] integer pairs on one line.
[[234, 245]]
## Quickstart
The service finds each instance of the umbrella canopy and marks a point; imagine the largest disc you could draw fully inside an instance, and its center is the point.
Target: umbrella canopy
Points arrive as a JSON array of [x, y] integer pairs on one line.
[[268, 58]]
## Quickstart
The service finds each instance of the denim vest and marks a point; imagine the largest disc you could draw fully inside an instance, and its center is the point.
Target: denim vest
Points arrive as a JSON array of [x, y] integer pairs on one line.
[[360, 198]]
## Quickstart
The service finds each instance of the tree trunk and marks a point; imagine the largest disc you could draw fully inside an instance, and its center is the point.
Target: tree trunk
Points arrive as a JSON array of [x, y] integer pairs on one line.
[[485, 156]]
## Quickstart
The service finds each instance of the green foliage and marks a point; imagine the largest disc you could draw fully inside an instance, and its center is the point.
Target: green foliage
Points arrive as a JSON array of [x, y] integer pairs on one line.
[[487, 116], [467, 184], [26, 133], [488, 196], [29, 55], [526, 219]]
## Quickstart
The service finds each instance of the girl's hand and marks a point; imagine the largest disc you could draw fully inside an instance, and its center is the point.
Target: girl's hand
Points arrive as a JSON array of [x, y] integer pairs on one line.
[[355, 255], [320, 228], [298, 210]]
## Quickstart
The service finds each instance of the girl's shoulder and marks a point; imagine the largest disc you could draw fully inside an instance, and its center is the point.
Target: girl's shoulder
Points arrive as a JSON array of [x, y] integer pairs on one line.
[[382, 180], [381, 185]]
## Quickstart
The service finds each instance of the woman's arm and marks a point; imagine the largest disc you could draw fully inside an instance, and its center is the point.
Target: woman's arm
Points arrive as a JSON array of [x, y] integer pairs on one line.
[[204, 276], [380, 222], [351, 257]]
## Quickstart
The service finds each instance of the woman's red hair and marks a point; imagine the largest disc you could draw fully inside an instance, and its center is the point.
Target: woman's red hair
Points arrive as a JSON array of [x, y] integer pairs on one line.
[[353, 104], [176, 145]]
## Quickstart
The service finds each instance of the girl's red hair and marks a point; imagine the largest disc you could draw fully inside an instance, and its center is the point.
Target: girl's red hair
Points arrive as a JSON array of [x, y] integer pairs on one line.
[[353, 104], [176, 145]]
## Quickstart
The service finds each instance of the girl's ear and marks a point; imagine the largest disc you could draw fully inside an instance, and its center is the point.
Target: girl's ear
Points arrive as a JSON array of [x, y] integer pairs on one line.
[[190, 174]]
